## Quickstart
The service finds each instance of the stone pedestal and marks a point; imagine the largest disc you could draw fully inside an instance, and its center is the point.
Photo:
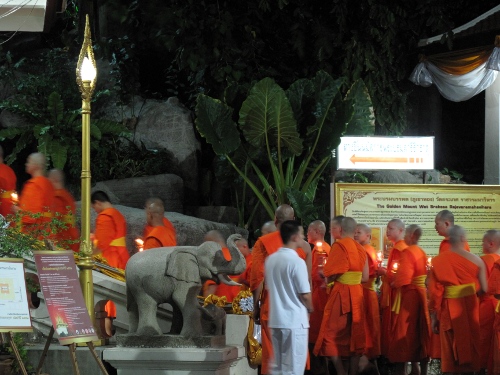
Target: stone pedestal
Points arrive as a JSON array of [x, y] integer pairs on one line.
[[174, 361]]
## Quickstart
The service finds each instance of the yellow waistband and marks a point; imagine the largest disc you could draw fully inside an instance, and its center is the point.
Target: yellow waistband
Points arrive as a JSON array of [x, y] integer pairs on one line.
[[118, 242], [497, 308], [459, 291], [348, 278], [6, 194], [47, 214], [419, 281], [370, 284]]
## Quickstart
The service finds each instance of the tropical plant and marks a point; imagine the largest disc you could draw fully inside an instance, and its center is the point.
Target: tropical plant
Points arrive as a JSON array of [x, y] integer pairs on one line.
[[285, 138]]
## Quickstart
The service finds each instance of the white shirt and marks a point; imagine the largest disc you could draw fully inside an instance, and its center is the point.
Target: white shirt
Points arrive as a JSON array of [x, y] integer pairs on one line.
[[286, 278]]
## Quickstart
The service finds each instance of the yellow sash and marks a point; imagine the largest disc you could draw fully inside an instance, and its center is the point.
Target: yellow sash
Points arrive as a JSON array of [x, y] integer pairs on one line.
[[459, 291], [417, 281], [47, 214], [118, 242], [348, 278], [497, 309], [370, 285], [6, 194]]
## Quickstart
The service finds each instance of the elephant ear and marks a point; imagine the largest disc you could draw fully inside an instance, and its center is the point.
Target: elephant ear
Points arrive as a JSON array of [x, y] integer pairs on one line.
[[182, 265]]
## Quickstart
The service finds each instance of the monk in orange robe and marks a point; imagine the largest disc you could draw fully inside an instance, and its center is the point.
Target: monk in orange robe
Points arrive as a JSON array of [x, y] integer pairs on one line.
[[372, 351], [7, 187], [265, 246], [342, 332], [168, 234], [37, 198], [65, 211], [487, 302], [494, 289], [320, 251], [159, 235], [395, 233], [410, 334], [455, 277]]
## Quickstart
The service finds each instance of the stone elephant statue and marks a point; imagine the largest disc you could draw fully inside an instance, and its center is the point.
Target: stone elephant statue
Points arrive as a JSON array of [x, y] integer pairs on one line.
[[175, 275]]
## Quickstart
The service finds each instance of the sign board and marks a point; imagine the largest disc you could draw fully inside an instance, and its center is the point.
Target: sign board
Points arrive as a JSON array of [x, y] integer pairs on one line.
[[367, 153], [14, 307], [63, 295], [475, 207]]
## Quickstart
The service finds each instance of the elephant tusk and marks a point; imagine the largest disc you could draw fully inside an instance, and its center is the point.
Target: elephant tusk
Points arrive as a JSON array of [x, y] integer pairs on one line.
[[226, 280]]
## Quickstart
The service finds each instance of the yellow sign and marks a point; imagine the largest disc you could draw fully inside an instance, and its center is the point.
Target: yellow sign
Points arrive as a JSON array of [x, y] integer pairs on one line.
[[476, 208]]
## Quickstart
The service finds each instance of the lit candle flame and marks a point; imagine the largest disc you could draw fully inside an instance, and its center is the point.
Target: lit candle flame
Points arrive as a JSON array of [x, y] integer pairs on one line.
[[429, 261], [380, 256], [14, 197], [319, 245], [395, 266], [140, 244]]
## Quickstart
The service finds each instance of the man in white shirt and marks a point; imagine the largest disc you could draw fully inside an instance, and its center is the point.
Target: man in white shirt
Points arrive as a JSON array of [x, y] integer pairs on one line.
[[287, 282]]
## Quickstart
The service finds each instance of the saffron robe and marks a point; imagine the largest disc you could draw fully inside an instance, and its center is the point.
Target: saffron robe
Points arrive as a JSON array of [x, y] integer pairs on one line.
[[494, 289], [110, 232], [487, 304], [372, 308], [7, 186], [387, 296], [171, 234], [265, 246], [410, 335], [319, 295], [342, 330], [227, 291], [159, 236], [65, 210], [458, 317], [37, 197]]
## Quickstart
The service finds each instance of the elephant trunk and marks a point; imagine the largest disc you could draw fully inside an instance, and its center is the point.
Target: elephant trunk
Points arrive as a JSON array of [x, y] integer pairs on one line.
[[237, 264]]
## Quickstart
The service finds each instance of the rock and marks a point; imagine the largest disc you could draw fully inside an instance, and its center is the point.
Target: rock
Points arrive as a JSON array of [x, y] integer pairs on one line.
[[163, 125], [445, 179], [219, 214], [395, 177], [190, 230], [133, 192]]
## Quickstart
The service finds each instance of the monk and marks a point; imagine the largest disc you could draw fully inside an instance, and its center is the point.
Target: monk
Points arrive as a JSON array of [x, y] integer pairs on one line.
[[487, 302], [265, 246], [410, 335], [244, 249], [342, 333], [220, 290], [443, 222], [7, 186], [37, 199], [268, 227], [170, 229], [494, 289], [455, 277], [159, 235], [65, 210], [395, 234], [363, 235], [320, 251]]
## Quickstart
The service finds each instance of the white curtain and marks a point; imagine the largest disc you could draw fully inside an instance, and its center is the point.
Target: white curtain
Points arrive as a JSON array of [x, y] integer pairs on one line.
[[458, 87]]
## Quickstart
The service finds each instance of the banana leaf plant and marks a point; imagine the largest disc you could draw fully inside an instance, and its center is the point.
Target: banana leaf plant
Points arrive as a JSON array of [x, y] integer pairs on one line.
[[286, 136]]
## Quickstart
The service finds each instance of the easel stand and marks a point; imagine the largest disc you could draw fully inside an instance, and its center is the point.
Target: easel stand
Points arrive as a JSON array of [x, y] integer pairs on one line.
[[72, 354], [16, 353]]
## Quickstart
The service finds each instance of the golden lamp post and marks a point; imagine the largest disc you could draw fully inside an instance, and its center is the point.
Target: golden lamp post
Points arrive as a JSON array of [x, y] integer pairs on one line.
[[86, 78]]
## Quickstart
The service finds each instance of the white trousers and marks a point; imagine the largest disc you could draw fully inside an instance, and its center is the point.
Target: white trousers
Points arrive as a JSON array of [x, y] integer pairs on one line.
[[290, 350]]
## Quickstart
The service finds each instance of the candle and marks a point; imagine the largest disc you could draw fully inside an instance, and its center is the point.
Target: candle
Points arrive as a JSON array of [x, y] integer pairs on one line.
[[14, 197], [140, 244], [395, 266], [319, 246], [429, 263]]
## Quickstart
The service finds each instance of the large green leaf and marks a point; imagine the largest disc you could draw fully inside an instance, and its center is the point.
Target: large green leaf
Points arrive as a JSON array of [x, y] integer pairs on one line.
[[56, 108], [266, 118], [57, 153], [362, 121], [108, 127], [298, 93], [303, 206], [10, 133], [214, 122], [22, 143]]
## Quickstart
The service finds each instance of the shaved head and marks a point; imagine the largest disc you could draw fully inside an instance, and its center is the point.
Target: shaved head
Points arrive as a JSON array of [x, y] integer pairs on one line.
[[338, 219], [242, 245], [493, 235], [446, 215], [491, 241], [398, 223], [456, 235], [364, 228], [414, 231], [283, 213], [38, 159], [36, 164], [268, 227], [215, 236], [348, 226], [155, 206], [319, 226], [56, 176]]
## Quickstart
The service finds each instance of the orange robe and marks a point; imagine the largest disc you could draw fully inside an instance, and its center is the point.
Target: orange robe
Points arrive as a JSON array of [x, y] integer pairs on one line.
[[65, 209], [458, 317], [446, 246], [7, 187], [37, 197], [170, 233], [265, 246], [494, 288], [372, 308], [487, 304], [387, 296], [342, 330], [159, 236], [319, 295], [410, 335]]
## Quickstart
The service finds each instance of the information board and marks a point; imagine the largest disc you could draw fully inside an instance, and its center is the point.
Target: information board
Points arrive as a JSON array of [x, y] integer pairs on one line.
[[368, 153], [475, 207], [63, 296], [14, 307]]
